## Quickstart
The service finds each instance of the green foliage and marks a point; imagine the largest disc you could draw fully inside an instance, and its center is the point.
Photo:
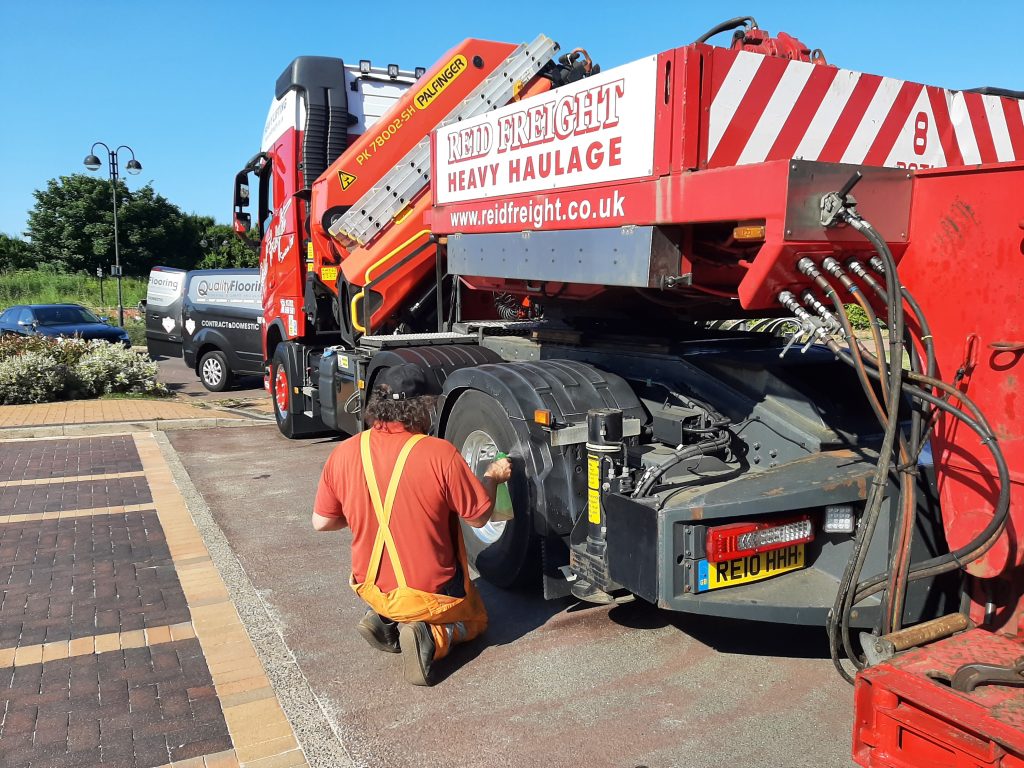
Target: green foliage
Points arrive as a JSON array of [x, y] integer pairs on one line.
[[35, 369], [44, 287], [136, 327], [32, 377], [15, 253], [109, 368], [72, 227], [857, 317], [224, 249]]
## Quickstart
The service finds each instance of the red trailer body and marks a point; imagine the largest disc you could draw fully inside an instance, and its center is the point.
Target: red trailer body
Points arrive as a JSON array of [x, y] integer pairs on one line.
[[908, 716]]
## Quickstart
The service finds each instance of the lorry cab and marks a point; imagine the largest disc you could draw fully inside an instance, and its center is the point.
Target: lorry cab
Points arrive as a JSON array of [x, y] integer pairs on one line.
[[212, 318]]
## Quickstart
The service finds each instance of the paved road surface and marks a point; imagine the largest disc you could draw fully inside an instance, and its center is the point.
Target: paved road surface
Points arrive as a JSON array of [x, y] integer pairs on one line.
[[551, 684], [182, 380]]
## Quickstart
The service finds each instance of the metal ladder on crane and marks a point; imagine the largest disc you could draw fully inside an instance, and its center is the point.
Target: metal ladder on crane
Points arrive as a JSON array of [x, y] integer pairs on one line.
[[390, 196]]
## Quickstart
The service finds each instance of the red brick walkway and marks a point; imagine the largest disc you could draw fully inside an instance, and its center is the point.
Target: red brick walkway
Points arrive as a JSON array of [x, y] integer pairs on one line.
[[118, 643]]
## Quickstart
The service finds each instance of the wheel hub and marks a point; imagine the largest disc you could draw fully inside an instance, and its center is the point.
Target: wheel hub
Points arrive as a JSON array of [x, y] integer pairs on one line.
[[479, 450], [281, 390], [212, 371]]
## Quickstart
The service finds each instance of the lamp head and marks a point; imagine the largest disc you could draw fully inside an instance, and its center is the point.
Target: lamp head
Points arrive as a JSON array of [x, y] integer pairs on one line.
[[92, 162], [133, 166]]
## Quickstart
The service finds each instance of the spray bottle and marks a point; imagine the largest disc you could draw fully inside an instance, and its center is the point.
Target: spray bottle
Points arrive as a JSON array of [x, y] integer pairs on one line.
[[503, 510]]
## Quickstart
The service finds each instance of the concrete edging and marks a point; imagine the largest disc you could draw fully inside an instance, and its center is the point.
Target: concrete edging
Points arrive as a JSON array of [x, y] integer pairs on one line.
[[320, 742]]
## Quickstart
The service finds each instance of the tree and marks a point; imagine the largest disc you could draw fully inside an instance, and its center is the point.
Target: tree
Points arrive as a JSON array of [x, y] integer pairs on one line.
[[15, 253], [72, 227], [224, 249]]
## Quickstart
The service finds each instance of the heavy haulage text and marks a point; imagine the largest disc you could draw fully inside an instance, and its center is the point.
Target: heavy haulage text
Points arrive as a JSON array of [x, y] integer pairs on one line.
[[586, 112], [546, 165]]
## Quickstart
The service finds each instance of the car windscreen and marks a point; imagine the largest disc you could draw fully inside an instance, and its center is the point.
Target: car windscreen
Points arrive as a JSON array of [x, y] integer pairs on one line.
[[63, 315]]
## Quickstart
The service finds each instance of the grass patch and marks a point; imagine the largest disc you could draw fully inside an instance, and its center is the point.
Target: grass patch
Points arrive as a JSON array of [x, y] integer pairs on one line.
[[39, 287]]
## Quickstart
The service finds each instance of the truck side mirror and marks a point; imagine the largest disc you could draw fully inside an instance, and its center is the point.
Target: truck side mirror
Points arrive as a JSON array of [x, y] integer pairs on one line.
[[242, 218]]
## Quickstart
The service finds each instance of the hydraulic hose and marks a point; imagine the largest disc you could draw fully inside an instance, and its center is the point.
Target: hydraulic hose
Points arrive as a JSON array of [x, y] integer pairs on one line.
[[725, 26], [892, 607], [651, 477], [977, 422], [921, 426], [895, 383], [838, 620]]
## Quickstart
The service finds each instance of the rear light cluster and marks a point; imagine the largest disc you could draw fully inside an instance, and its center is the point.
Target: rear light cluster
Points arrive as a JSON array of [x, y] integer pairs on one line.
[[728, 542]]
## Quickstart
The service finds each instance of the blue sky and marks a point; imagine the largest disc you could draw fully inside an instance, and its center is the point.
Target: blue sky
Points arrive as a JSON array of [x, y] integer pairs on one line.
[[187, 84]]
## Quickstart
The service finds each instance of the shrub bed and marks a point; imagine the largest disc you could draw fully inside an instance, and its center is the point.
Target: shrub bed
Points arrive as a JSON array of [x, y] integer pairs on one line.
[[35, 369]]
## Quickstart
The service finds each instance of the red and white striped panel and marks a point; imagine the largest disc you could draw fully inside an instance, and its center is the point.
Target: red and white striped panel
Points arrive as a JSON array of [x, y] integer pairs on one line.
[[768, 108]]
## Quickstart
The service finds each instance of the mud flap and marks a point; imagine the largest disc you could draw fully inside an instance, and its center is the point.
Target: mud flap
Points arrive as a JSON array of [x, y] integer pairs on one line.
[[554, 556]]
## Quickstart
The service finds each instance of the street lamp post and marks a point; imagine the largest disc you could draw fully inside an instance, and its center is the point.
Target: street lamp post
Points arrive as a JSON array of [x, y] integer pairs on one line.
[[133, 166]]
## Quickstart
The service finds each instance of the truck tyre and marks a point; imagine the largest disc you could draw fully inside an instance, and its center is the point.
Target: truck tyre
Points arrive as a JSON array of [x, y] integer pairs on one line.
[[292, 425], [214, 371], [502, 552]]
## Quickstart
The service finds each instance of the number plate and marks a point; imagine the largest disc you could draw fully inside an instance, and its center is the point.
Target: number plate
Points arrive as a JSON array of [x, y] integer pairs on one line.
[[751, 568]]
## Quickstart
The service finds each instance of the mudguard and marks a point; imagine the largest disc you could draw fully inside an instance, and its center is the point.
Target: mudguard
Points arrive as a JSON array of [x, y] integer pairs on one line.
[[438, 362], [566, 388]]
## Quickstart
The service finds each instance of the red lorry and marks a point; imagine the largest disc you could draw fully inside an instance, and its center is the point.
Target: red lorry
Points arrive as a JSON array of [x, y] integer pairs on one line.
[[557, 245]]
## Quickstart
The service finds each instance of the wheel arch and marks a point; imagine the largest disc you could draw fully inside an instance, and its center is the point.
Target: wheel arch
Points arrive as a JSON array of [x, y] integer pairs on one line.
[[208, 345], [273, 336], [438, 362], [568, 389]]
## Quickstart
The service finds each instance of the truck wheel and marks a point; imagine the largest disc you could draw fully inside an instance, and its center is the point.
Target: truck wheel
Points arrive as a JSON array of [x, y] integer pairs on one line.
[[214, 371], [292, 425], [500, 551]]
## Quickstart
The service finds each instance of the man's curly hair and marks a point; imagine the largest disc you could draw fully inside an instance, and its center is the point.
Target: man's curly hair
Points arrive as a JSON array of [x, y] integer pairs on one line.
[[414, 413]]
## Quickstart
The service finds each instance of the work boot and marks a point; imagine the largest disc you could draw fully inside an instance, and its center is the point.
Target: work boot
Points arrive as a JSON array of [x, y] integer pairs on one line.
[[417, 652], [381, 633]]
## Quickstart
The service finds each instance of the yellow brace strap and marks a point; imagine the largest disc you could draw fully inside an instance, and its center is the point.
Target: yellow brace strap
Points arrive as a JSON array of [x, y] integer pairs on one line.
[[383, 511]]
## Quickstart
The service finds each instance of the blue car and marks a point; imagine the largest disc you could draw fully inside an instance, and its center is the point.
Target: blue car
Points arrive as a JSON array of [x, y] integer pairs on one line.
[[56, 320]]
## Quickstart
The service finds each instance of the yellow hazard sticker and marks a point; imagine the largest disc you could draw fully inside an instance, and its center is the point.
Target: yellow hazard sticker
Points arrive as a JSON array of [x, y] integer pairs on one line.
[[346, 179], [594, 489], [445, 76], [328, 274], [309, 251], [343, 361]]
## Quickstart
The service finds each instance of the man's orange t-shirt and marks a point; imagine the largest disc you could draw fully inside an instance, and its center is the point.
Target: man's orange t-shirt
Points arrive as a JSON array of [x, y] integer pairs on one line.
[[436, 483]]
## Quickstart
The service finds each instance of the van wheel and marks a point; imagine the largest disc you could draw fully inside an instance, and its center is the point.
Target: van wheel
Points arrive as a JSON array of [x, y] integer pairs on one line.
[[214, 371], [502, 552], [291, 425]]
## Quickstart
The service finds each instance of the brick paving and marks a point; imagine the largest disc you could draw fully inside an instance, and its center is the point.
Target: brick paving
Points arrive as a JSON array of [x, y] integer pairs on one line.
[[79, 577], [65, 458], [119, 644], [79, 494], [143, 707]]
